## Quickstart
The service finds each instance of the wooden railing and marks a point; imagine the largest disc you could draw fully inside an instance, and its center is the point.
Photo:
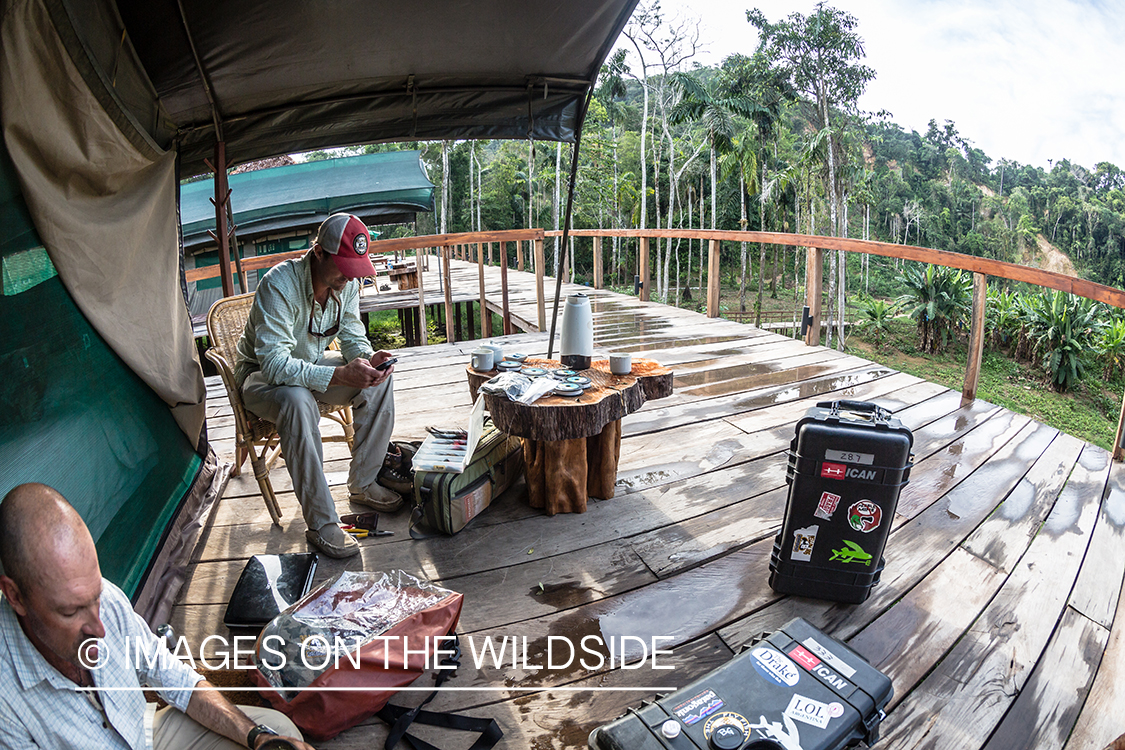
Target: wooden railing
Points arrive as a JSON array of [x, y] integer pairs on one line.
[[463, 244]]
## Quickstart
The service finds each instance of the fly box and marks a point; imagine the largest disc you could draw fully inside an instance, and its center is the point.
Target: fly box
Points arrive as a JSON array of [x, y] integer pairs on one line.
[[799, 689], [847, 464]]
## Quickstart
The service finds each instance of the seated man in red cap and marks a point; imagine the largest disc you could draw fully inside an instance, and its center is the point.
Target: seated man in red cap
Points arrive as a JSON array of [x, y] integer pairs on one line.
[[300, 306]]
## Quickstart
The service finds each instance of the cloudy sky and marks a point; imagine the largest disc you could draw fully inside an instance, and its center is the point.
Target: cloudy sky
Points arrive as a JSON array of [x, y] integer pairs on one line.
[[1029, 80]]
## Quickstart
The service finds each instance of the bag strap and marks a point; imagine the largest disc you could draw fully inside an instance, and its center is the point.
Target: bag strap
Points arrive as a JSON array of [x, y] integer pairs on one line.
[[418, 513], [400, 718]]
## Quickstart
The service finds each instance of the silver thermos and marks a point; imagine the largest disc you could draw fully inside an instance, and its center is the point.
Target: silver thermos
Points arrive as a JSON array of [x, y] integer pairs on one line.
[[577, 346]]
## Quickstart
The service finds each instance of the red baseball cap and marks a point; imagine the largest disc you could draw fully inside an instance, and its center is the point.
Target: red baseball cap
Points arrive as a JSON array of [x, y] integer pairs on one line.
[[346, 239]]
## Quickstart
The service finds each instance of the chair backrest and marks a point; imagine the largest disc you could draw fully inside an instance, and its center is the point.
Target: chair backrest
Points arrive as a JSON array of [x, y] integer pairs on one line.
[[225, 322]]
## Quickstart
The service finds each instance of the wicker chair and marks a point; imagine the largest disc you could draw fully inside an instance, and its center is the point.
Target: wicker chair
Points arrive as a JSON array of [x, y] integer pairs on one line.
[[255, 437]]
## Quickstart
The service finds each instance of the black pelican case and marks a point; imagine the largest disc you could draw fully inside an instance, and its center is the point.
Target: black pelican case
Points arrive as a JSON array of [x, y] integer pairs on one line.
[[798, 689], [848, 462]]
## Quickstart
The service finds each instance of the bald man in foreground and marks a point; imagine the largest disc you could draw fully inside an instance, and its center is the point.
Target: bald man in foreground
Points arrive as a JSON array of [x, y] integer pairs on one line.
[[55, 600]]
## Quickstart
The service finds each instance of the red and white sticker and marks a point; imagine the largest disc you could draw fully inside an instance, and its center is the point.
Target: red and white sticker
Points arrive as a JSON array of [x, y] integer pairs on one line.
[[802, 656], [827, 506], [832, 471], [865, 516]]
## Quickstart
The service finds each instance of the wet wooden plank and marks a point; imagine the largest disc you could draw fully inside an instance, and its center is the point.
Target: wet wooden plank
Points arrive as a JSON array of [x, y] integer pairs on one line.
[[1095, 593], [1047, 707], [1099, 722], [970, 690]]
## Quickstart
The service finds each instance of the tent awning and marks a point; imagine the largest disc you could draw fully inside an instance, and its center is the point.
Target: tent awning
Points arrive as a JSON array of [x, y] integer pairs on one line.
[[289, 75], [379, 188]]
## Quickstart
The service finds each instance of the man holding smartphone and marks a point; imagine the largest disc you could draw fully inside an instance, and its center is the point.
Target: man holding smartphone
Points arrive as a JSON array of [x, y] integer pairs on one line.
[[300, 307]]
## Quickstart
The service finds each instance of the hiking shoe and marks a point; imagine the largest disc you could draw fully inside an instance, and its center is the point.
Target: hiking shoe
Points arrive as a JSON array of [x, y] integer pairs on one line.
[[380, 498], [333, 541], [396, 471]]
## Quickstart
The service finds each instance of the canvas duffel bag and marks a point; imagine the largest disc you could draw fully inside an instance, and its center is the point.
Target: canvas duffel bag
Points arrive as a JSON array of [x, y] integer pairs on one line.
[[445, 502]]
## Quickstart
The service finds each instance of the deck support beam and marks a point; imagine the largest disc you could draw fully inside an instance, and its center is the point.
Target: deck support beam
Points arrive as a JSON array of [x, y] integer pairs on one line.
[[540, 300], [598, 272], [814, 281], [713, 279], [642, 269], [976, 339], [451, 331]]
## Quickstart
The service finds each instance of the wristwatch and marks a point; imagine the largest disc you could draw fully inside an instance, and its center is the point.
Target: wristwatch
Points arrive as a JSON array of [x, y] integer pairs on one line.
[[253, 735]]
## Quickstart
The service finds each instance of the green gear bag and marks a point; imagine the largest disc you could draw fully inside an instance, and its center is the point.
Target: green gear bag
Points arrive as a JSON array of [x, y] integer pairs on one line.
[[445, 502]]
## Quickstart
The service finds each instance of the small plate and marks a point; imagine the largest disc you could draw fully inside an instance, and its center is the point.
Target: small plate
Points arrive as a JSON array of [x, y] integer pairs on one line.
[[516, 357], [568, 389], [507, 366], [581, 381], [533, 372], [563, 374]]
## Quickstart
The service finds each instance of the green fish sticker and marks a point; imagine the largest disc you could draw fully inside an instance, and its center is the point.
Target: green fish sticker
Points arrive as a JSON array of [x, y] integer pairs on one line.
[[851, 553]]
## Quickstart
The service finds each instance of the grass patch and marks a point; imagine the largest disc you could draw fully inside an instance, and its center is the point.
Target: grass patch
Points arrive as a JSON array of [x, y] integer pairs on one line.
[[1088, 412]]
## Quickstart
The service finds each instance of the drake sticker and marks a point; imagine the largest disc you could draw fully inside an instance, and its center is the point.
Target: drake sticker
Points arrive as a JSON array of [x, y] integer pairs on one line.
[[827, 506], [808, 711], [850, 553], [698, 707], [775, 667], [803, 542], [865, 516]]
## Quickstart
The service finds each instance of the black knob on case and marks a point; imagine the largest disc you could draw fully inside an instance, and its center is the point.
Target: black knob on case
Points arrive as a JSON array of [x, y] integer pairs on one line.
[[727, 737]]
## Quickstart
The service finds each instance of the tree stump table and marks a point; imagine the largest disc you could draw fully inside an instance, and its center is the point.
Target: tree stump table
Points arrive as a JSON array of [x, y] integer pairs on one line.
[[571, 445]]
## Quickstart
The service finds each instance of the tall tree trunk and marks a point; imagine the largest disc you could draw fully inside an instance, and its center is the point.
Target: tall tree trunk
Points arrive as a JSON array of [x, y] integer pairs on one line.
[[444, 187], [743, 222], [555, 208], [761, 245]]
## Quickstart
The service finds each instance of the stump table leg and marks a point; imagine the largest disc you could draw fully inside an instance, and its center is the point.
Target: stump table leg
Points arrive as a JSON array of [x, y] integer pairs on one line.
[[602, 454], [556, 475]]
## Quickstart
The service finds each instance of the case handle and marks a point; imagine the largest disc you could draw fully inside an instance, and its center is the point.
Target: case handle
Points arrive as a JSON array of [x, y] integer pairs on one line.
[[860, 407]]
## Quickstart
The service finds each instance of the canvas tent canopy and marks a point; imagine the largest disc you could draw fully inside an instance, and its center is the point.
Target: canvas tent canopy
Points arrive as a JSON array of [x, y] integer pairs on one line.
[[384, 188], [104, 104]]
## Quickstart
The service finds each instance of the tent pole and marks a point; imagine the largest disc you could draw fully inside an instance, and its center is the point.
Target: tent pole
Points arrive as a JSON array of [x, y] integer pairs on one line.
[[566, 221], [222, 236]]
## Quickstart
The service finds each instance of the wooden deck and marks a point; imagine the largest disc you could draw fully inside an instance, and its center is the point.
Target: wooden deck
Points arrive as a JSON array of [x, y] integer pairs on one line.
[[996, 611]]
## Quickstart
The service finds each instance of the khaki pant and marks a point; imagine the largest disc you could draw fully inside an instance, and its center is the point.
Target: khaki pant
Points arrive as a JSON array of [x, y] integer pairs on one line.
[[175, 730], [294, 410]]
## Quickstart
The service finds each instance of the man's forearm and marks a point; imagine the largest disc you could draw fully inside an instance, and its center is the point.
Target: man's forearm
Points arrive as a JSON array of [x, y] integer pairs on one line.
[[212, 710]]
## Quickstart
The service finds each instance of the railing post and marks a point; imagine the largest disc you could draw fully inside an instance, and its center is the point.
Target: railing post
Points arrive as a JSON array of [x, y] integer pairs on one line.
[[713, 279], [598, 273], [480, 279], [507, 317], [540, 302], [422, 333], [643, 269], [814, 280], [976, 339], [450, 323], [519, 255]]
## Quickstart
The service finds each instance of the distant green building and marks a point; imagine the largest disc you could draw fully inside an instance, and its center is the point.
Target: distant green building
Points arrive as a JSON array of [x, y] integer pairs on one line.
[[278, 210]]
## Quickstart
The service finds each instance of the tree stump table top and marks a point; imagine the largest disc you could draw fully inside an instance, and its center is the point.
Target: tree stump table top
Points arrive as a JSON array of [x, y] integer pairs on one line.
[[566, 418]]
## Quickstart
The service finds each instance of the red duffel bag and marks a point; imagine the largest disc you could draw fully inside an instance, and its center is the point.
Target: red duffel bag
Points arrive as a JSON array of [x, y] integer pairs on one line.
[[371, 632]]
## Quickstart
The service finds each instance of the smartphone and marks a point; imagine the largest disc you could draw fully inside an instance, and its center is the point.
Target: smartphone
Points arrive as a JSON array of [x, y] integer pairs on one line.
[[386, 363]]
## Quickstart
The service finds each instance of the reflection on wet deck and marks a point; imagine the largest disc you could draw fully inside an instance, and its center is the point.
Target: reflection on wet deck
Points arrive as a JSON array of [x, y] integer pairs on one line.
[[995, 614]]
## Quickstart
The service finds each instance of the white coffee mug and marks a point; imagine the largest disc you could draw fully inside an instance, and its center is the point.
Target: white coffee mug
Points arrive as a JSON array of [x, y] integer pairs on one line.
[[482, 359], [620, 364]]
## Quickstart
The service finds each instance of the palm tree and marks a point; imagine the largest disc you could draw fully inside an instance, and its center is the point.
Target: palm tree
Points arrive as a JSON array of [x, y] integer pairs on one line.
[[710, 105], [742, 160]]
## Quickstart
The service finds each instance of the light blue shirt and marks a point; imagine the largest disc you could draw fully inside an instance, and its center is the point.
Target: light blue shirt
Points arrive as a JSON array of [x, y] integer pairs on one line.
[[39, 708], [277, 339]]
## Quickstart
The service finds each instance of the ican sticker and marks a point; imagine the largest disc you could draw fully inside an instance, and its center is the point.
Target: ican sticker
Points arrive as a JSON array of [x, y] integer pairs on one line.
[[865, 516], [832, 471], [803, 542], [827, 506], [775, 667], [808, 711], [698, 707], [841, 666], [802, 656]]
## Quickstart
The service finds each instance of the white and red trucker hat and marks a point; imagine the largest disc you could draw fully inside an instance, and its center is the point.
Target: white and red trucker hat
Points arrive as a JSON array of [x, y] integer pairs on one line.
[[346, 239]]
